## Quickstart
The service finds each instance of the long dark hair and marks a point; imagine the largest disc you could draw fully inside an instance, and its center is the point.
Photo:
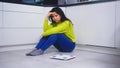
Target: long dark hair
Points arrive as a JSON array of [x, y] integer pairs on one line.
[[60, 12]]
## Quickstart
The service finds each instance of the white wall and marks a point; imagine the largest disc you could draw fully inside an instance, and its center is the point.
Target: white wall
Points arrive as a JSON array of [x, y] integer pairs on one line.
[[15, 15], [22, 24], [94, 23], [117, 30]]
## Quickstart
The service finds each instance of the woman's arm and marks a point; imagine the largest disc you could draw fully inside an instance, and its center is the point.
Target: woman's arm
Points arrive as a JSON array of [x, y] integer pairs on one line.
[[62, 28], [41, 36], [46, 26]]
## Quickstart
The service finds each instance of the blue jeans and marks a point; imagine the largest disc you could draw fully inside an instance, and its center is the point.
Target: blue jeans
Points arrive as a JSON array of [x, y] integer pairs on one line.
[[60, 41]]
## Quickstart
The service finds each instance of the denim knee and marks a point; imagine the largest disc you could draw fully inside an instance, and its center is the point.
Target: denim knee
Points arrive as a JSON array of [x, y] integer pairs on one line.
[[60, 35], [53, 35]]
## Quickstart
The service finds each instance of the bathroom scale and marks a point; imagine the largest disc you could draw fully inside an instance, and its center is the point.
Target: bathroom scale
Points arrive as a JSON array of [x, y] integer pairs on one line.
[[62, 57]]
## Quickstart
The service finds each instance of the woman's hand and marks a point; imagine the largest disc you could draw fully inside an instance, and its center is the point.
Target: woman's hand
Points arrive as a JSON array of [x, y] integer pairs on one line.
[[49, 14], [41, 36]]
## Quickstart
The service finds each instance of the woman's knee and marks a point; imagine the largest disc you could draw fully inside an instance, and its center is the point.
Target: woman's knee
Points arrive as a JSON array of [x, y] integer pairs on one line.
[[57, 35], [53, 35], [60, 35]]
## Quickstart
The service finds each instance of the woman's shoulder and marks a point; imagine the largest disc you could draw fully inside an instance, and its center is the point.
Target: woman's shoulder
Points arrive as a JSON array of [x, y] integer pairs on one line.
[[67, 21]]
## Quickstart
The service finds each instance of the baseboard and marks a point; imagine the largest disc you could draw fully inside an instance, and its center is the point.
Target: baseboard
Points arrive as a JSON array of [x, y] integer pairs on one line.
[[16, 47]]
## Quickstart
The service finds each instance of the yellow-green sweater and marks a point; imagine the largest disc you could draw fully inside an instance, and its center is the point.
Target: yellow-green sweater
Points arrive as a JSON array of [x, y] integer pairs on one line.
[[65, 27]]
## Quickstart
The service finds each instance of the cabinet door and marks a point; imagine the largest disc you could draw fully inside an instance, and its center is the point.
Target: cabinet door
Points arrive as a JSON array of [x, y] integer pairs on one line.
[[0, 14], [61, 2], [72, 1], [117, 29], [1, 22], [0, 18], [0, 5]]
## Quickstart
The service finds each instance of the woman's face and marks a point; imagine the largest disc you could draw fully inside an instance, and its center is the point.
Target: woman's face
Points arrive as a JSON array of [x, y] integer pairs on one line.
[[56, 17]]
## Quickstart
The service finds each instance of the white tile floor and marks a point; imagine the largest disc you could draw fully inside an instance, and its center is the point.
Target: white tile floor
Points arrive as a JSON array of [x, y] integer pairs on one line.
[[86, 57]]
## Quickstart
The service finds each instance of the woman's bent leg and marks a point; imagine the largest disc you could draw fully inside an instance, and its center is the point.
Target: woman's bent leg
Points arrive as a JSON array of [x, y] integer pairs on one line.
[[64, 44], [50, 41], [37, 50], [44, 43], [41, 42], [57, 46]]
